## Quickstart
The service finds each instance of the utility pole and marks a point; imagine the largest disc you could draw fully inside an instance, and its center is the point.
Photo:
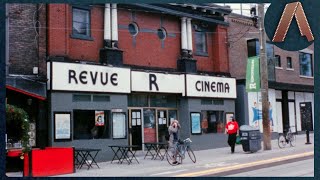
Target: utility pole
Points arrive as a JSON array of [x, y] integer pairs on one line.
[[264, 80]]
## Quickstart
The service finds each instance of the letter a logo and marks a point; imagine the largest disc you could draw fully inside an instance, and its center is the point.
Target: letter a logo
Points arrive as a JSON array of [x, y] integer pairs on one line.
[[293, 9]]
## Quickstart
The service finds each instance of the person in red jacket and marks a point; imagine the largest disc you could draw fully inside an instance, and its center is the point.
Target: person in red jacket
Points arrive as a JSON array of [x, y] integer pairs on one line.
[[232, 128]]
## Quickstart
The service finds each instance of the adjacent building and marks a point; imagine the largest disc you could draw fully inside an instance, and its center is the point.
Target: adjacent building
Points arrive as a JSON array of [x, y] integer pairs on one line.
[[291, 76]]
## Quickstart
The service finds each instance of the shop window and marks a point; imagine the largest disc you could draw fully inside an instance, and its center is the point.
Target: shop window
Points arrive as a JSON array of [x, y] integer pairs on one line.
[[306, 66], [201, 43], [212, 122], [81, 22], [277, 61], [254, 48], [118, 125], [133, 29], [91, 124], [163, 101], [289, 63], [81, 98], [101, 98], [138, 100]]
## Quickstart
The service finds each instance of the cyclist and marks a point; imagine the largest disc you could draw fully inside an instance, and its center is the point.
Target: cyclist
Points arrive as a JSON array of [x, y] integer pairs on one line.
[[173, 139]]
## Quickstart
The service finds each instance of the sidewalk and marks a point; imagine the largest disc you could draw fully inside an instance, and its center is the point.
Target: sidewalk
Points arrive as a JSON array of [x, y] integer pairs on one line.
[[206, 159]]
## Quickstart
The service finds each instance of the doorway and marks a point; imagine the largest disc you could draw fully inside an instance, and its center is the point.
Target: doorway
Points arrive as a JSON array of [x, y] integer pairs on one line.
[[149, 124], [135, 126], [306, 116]]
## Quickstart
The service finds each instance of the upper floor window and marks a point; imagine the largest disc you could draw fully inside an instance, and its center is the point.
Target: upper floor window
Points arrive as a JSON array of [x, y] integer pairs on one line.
[[277, 61], [254, 48], [81, 22], [201, 43], [289, 63], [306, 66]]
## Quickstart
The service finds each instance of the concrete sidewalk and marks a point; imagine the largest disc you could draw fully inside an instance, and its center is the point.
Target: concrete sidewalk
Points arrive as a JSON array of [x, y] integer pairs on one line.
[[206, 159]]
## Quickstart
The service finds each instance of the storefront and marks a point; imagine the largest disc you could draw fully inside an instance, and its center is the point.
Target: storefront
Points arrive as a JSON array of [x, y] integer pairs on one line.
[[96, 106], [287, 108]]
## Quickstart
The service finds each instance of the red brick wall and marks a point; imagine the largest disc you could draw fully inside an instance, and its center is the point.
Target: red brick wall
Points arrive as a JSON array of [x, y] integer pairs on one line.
[[145, 49], [148, 50], [60, 29], [26, 48]]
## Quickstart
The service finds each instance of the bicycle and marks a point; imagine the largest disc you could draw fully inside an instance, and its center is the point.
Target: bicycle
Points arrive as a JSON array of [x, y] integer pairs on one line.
[[179, 151], [287, 138]]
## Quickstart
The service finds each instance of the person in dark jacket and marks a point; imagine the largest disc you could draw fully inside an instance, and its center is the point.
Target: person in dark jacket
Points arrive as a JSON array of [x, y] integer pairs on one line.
[[173, 139], [232, 128]]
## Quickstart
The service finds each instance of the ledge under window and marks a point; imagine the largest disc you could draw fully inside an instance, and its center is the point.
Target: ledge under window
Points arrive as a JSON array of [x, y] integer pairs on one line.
[[307, 77], [201, 54], [290, 69], [278, 67], [81, 37]]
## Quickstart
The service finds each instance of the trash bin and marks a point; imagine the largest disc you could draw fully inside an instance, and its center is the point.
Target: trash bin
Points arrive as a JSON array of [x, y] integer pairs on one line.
[[250, 138]]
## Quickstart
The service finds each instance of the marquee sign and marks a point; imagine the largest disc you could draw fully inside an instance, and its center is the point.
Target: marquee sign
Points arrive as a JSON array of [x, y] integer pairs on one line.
[[90, 78], [209, 86], [157, 82]]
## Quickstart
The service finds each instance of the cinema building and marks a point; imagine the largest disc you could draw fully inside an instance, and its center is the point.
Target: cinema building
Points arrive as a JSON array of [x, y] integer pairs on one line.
[[119, 73]]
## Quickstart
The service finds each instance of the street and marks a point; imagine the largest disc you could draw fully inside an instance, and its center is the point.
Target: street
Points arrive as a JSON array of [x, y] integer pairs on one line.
[[216, 162]]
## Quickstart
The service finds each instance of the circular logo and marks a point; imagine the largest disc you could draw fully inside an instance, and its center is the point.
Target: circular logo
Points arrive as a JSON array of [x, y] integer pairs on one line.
[[288, 25]]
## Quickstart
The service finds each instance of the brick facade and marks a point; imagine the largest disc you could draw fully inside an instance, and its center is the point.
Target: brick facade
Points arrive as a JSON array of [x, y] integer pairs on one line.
[[27, 42], [145, 49], [240, 30]]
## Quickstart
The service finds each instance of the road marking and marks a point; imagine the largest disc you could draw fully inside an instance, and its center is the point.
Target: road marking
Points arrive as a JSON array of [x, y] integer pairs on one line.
[[168, 172], [229, 168]]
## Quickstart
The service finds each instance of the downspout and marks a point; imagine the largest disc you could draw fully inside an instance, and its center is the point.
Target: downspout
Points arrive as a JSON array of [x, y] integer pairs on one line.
[[7, 39]]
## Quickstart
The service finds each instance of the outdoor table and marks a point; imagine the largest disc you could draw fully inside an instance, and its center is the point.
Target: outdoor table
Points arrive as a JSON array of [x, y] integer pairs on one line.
[[157, 148], [125, 152], [86, 155]]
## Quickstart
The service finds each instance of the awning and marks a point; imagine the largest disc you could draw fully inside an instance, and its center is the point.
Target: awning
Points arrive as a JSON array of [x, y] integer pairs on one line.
[[25, 92], [28, 87]]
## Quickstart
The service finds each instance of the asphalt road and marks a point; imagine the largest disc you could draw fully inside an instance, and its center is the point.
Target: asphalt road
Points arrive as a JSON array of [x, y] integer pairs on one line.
[[300, 168]]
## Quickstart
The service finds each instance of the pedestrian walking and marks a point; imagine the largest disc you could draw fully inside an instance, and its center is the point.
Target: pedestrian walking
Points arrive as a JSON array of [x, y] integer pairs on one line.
[[232, 128], [173, 139]]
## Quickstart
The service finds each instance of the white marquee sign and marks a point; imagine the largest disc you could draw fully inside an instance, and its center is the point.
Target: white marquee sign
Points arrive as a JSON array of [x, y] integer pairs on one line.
[[91, 78], [209, 86], [157, 82]]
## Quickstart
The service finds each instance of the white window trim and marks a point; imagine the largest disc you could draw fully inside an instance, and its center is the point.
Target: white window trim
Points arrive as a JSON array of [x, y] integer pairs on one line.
[[307, 77]]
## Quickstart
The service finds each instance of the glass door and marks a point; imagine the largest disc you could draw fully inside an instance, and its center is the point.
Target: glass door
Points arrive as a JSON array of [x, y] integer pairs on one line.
[[135, 125], [149, 125], [162, 124]]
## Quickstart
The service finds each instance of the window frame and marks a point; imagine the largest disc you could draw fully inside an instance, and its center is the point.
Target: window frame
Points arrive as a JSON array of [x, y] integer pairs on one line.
[[277, 63], [289, 68], [311, 59], [81, 36], [197, 52]]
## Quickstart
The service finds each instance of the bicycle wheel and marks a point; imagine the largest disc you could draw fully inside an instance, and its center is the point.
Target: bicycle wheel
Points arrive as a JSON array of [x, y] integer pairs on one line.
[[282, 141], [191, 155], [170, 154], [292, 140]]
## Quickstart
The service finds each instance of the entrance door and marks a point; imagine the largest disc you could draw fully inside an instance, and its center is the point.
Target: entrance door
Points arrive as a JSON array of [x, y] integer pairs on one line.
[[306, 116], [136, 127], [162, 124], [149, 125]]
